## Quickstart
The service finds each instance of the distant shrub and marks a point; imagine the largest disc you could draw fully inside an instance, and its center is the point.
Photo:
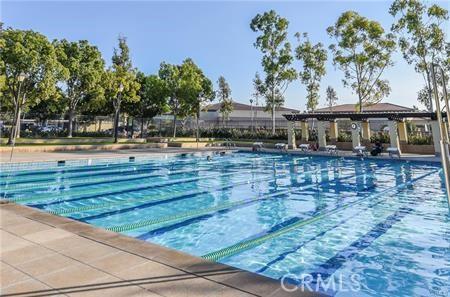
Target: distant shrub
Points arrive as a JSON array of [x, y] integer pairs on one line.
[[344, 137], [420, 140], [380, 137], [93, 134], [231, 133]]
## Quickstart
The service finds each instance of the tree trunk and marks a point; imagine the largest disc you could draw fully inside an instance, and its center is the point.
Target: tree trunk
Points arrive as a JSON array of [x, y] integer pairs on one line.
[[198, 125], [18, 125], [116, 125], [132, 128], [142, 127], [71, 114], [430, 95], [273, 118], [12, 134], [174, 125]]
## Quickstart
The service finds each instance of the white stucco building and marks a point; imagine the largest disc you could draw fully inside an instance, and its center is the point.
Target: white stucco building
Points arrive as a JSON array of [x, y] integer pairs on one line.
[[243, 116]]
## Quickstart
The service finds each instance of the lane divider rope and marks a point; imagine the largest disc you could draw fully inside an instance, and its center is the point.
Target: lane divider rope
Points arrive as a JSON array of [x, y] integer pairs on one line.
[[146, 223], [251, 243], [60, 211]]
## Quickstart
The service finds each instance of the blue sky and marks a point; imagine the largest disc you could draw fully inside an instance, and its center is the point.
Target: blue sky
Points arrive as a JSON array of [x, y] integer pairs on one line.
[[215, 34]]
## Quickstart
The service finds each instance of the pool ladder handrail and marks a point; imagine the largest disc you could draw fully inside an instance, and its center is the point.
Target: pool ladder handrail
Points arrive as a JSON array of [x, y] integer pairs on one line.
[[443, 125]]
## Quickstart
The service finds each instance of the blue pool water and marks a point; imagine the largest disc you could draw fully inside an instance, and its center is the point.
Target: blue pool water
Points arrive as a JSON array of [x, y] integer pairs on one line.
[[346, 227]]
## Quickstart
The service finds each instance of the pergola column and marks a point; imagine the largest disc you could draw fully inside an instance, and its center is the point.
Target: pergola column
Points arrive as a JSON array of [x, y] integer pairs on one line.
[[393, 135], [356, 139], [333, 131], [321, 136], [305, 130], [402, 132], [365, 130], [291, 135], [436, 137]]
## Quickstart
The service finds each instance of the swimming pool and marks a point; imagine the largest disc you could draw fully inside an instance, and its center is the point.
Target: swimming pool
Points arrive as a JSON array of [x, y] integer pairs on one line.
[[343, 226]]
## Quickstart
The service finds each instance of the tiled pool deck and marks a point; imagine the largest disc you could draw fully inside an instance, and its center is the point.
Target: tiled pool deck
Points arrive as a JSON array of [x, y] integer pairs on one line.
[[47, 255]]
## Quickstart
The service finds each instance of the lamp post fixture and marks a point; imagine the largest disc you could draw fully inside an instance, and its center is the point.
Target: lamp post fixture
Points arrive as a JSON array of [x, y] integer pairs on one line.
[[117, 112]]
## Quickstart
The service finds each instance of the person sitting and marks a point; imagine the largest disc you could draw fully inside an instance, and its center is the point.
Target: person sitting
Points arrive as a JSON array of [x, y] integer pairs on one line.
[[377, 149]]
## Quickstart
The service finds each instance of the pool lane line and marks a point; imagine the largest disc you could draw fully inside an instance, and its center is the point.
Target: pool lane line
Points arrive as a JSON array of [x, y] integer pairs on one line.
[[126, 168], [62, 211], [120, 178], [94, 191], [208, 189], [93, 168], [94, 181], [282, 256], [203, 212], [194, 213], [251, 243], [73, 183], [189, 221], [131, 188], [125, 189], [86, 167], [105, 172], [326, 269]]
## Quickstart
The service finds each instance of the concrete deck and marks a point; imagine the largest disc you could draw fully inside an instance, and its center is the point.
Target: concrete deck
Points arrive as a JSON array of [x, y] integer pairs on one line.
[[47, 255], [124, 153], [86, 154]]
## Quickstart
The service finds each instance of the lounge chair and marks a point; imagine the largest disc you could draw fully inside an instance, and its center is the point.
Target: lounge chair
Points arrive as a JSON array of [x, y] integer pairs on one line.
[[304, 147], [281, 146], [257, 146], [393, 151], [331, 149], [360, 151]]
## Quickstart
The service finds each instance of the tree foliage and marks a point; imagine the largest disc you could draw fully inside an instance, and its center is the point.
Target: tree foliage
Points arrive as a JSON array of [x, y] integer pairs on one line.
[[362, 51], [85, 66], [120, 81], [153, 94], [331, 97], [225, 100], [27, 54], [313, 58], [277, 58], [423, 40], [188, 89]]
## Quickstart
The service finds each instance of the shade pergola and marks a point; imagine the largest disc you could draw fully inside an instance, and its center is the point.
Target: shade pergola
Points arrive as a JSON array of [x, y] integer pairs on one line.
[[396, 124], [360, 116]]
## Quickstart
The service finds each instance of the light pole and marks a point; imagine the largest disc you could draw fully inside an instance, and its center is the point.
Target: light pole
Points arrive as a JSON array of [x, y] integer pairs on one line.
[[116, 116]]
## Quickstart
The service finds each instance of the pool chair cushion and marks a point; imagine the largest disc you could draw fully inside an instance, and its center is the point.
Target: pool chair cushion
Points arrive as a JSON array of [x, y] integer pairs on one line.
[[304, 147], [281, 146], [393, 151], [360, 150]]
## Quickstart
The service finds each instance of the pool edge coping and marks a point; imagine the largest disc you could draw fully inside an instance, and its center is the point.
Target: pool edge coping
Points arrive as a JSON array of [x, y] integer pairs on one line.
[[239, 279]]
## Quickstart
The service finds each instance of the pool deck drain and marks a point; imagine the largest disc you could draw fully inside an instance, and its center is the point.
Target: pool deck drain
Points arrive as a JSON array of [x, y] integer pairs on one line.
[[47, 255]]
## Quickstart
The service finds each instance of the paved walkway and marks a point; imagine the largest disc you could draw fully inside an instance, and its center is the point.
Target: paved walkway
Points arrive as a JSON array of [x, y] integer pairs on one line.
[[86, 154], [46, 255]]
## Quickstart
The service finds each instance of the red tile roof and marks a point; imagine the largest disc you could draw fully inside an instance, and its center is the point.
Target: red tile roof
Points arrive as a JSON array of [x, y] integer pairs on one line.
[[242, 106], [375, 107]]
